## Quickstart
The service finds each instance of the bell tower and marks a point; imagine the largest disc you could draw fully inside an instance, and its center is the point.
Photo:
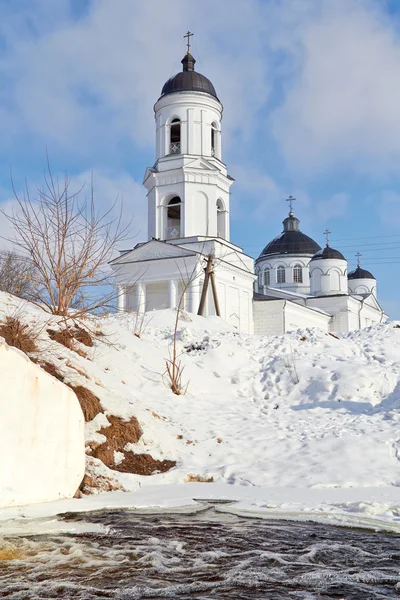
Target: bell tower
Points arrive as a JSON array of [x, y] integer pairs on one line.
[[188, 186]]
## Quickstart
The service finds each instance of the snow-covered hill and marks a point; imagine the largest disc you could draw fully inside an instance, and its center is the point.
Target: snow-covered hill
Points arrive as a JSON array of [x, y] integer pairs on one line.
[[303, 410]]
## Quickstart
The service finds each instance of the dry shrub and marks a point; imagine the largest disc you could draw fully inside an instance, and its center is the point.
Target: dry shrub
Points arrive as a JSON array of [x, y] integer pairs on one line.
[[83, 336], [62, 336], [334, 336], [90, 403], [143, 464], [190, 478], [98, 483], [18, 334], [51, 369], [67, 336], [118, 435]]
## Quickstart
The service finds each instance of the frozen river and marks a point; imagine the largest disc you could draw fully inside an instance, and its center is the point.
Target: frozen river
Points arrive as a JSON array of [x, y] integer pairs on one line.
[[207, 555]]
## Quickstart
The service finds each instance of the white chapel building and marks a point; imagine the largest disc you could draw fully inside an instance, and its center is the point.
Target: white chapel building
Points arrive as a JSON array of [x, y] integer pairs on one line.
[[294, 283]]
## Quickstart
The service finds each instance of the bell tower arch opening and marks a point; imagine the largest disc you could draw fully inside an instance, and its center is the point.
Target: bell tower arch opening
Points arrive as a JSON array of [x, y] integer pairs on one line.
[[173, 218], [175, 136]]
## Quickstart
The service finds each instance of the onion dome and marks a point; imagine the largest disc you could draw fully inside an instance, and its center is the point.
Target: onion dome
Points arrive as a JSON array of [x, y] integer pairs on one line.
[[360, 273], [188, 80], [328, 252], [291, 240]]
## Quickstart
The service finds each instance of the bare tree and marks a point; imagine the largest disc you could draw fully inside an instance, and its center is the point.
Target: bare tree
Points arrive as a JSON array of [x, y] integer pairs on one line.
[[17, 274], [68, 242], [174, 367]]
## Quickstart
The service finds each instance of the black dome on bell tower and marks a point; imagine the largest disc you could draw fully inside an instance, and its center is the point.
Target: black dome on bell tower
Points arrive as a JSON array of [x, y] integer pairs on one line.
[[188, 80]]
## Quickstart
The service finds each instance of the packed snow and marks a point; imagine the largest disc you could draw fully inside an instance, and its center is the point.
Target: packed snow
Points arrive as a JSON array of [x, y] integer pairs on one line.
[[302, 423]]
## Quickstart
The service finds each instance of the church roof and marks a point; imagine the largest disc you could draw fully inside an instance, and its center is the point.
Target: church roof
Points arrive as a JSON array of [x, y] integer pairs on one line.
[[328, 252], [188, 80], [291, 240], [360, 273]]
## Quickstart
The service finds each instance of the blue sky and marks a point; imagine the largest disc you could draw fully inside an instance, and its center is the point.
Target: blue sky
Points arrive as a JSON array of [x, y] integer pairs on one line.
[[311, 94]]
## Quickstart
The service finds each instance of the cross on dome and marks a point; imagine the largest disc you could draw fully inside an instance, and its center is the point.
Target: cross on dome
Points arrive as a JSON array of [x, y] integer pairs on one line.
[[291, 199], [326, 234], [188, 36], [358, 256]]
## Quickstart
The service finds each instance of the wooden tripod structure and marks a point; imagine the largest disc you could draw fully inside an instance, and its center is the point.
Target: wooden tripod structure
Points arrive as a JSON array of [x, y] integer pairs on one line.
[[209, 276]]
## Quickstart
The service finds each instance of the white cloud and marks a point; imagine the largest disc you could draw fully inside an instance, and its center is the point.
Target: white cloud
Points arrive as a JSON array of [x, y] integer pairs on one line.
[[334, 207], [341, 108], [84, 84]]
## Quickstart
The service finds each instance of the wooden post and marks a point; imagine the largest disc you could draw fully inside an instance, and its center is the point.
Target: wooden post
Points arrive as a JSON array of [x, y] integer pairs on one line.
[[203, 298], [214, 290]]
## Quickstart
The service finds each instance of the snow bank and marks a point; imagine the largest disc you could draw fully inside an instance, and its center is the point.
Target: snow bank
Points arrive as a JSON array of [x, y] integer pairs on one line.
[[41, 433], [302, 411]]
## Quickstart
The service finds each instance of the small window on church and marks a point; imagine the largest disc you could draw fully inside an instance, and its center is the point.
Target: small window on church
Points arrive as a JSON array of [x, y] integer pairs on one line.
[[213, 138], [173, 218], [267, 277], [175, 145], [280, 275], [297, 274]]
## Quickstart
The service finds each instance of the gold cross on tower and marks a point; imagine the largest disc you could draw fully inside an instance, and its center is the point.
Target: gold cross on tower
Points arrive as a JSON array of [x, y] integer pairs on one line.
[[188, 36]]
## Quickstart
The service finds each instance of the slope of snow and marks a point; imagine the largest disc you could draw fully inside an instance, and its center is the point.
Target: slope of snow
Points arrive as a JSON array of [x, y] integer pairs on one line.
[[303, 410]]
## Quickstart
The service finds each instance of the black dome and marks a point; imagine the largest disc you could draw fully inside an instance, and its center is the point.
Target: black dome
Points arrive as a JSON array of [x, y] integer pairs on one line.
[[188, 80], [291, 240], [328, 252], [360, 273]]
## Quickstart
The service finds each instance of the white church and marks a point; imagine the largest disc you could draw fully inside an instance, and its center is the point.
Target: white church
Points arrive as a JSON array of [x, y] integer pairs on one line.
[[294, 283]]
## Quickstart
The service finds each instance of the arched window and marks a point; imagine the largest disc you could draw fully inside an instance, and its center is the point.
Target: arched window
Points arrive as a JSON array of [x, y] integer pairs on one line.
[[175, 139], [267, 277], [297, 274], [214, 129], [221, 219], [173, 220], [280, 275]]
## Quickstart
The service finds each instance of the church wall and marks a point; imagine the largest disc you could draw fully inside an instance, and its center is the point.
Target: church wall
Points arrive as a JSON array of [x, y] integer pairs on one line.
[[196, 112], [338, 307], [157, 295], [235, 298], [300, 317], [370, 316], [328, 276], [362, 286], [288, 262], [268, 317]]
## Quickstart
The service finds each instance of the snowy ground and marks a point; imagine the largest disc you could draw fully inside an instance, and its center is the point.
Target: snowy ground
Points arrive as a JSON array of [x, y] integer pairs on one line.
[[311, 420]]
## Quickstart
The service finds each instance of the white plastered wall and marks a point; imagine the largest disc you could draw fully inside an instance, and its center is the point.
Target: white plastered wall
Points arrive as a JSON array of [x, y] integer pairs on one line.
[[275, 317], [362, 286], [197, 112], [328, 276], [288, 262], [42, 449], [195, 174], [233, 273]]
